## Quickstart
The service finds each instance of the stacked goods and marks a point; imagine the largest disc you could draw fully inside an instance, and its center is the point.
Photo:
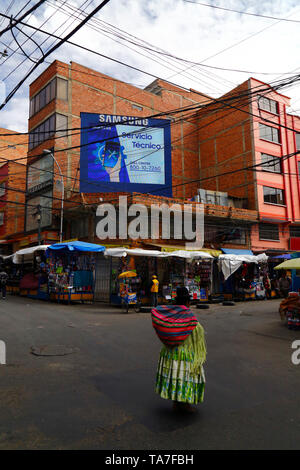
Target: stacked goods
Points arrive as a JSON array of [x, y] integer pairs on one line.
[[289, 311]]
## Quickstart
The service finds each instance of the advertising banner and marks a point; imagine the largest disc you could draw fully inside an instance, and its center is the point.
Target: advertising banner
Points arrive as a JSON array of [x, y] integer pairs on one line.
[[124, 153]]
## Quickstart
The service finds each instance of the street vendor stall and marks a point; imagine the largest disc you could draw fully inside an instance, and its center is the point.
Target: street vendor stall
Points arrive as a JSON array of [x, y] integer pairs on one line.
[[292, 266], [71, 268], [174, 269], [29, 273], [142, 262], [243, 275]]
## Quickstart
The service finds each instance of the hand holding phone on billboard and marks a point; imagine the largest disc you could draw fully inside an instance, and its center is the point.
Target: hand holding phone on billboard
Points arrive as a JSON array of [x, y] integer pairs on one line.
[[112, 160]]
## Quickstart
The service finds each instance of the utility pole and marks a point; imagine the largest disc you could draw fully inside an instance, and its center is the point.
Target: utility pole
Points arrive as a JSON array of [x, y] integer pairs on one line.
[[38, 215]]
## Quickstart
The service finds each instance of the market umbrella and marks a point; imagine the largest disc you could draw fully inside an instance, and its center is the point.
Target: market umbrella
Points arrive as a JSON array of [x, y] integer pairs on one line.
[[127, 274], [77, 246], [293, 263]]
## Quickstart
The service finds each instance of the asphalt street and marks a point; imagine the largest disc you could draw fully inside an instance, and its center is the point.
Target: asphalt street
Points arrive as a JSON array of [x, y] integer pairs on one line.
[[96, 389]]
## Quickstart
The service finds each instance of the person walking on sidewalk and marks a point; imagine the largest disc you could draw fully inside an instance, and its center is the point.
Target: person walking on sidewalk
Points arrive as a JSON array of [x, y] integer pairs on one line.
[[180, 374], [154, 291], [3, 281]]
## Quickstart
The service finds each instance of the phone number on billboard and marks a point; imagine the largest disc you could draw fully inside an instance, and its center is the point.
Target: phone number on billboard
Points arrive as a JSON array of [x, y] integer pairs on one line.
[[150, 169]]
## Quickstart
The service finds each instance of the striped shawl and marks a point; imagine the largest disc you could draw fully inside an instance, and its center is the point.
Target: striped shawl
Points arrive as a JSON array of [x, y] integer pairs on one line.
[[173, 324]]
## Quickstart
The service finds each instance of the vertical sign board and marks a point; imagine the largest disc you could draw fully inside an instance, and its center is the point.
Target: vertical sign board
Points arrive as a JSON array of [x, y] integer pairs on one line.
[[126, 154]]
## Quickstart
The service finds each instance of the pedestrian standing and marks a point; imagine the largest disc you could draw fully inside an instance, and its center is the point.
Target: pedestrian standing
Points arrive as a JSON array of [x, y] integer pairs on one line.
[[3, 281], [180, 374], [154, 291], [284, 285]]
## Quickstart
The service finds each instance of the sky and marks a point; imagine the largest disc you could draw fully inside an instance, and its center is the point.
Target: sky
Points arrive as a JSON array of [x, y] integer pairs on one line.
[[264, 48]]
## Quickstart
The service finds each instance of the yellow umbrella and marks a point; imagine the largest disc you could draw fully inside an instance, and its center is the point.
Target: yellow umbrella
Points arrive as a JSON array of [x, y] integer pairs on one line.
[[293, 263], [127, 274]]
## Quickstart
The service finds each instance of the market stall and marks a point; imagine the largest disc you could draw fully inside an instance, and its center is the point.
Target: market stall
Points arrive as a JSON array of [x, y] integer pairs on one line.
[[244, 276], [71, 268], [292, 268], [28, 273], [138, 260], [192, 269]]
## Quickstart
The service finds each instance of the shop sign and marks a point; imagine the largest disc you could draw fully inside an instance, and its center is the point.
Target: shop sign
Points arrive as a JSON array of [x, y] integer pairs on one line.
[[125, 153]]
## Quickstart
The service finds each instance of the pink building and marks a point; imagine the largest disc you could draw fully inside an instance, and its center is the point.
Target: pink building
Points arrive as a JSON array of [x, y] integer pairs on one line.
[[278, 183], [248, 150]]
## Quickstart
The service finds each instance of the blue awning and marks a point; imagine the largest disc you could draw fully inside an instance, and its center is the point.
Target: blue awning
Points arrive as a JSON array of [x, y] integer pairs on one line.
[[233, 251], [77, 246]]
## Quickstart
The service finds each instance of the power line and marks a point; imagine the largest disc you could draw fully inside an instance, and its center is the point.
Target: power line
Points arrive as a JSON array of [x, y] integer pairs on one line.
[[17, 21], [241, 12], [62, 41]]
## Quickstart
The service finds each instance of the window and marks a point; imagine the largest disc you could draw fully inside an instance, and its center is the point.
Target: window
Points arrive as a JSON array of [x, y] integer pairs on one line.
[[40, 173], [298, 141], [2, 188], [45, 201], [295, 231], [61, 123], [268, 232], [57, 88], [270, 163], [268, 105], [273, 195], [56, 122], [1, 218], [269, 133], [299, 167], [62, 88]]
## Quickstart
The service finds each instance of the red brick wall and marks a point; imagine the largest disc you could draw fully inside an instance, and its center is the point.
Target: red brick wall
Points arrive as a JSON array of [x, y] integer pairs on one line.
[[93, 92], [14, 174], [225, 141]]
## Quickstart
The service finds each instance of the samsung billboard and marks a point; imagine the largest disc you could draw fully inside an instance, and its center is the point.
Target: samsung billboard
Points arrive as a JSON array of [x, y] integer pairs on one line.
[[125, 153]]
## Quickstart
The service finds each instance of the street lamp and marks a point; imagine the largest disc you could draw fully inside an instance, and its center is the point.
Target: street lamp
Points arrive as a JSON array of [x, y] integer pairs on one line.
[[48, 152], [38, 215]]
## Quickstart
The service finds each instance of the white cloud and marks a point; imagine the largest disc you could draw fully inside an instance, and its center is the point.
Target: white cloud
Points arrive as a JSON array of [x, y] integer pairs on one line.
[[186, 30]]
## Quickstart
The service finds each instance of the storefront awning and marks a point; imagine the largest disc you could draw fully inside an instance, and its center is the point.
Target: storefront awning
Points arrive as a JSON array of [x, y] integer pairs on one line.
[[229, 263], [26, 254], [233, 251], [170, 248], [119, 252]]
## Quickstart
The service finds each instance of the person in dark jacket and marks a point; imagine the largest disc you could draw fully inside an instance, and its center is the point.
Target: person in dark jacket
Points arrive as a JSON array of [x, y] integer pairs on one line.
[[3, 281]]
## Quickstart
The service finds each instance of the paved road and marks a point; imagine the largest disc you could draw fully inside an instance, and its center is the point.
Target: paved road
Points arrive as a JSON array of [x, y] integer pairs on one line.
[[101, 396]]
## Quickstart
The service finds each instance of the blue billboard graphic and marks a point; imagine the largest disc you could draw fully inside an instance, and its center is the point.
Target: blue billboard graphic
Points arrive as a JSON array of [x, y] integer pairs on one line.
[[124, 153]]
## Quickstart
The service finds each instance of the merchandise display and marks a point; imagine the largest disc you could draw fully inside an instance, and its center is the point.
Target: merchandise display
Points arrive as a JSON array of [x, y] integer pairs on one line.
[[70, 275]]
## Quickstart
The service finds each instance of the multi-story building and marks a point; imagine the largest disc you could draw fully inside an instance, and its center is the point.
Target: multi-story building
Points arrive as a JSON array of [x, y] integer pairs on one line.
[[248, 146], [60, 94], [13, 156]]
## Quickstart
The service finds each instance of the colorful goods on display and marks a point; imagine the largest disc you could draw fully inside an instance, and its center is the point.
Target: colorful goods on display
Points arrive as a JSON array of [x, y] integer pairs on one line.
[[289, 311], [173, 324]]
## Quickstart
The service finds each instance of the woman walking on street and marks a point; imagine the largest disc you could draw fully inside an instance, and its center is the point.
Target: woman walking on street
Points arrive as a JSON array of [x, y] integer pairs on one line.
[[180, 374]]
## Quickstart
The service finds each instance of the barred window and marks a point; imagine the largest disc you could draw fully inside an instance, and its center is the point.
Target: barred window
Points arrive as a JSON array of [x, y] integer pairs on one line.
[[295, 231], [268, 232]]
